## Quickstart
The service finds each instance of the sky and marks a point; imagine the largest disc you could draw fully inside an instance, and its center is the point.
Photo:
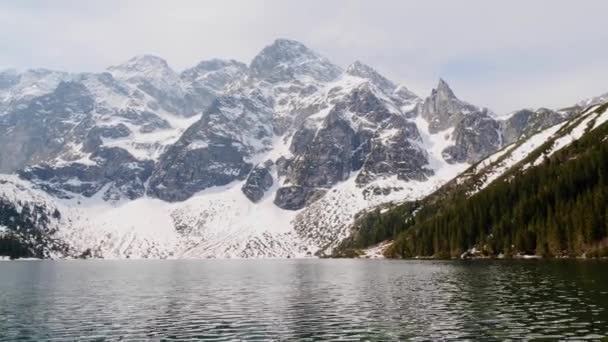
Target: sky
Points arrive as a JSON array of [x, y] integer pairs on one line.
[[505, 55]]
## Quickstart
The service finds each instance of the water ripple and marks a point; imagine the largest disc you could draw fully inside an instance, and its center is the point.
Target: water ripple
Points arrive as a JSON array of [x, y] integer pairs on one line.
[[304, 300]]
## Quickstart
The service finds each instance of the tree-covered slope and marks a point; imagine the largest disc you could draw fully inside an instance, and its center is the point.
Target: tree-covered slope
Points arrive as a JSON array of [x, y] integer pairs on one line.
[[28, 224], [550, 200]]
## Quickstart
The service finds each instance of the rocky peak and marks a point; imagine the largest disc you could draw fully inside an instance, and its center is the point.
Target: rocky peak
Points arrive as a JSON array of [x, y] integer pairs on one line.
[[475, 133], [152, 69], [286, 59], [526, 122], [407, 102], [443, 90], [283, 51], [406, 94], [215, 65], [39, 131], [361, 70], [593, 100], [17, 87], [475, 136], [443, 109], [141, 64], [215, 74], [154, 76], [68, 96]]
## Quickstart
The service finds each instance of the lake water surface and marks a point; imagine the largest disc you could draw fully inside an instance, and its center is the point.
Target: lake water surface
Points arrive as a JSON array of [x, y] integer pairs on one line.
[[302, 300]]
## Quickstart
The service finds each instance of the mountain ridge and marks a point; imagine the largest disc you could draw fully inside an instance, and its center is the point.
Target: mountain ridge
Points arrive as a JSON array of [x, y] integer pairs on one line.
[[270, 159]]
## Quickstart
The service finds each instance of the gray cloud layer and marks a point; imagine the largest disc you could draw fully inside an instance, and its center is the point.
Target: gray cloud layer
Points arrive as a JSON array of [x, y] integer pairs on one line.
[[504, 55]]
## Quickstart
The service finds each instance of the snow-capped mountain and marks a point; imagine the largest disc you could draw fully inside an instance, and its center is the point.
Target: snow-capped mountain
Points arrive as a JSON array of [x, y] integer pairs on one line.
[[593, 101], [270, 159], [16, 89]]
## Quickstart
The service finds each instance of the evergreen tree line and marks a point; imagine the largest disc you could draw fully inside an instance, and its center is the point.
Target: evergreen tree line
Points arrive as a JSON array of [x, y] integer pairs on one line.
[[28, 234], [13, 246]]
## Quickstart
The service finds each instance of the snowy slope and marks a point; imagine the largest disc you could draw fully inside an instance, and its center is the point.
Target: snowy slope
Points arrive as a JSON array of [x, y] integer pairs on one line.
[[19, 87], [533, 150]]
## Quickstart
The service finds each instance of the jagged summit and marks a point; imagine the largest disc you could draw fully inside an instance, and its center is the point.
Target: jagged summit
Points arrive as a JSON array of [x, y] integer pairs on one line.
[[147, 68], [442, 109], [443, 90], [286, 59], [144, 60], [287, 49], [140, 64], [216, 64], [19, 87], [215, 74], [281, 51], [593, 100], [154, 76], [359, 69], [407, 94], [289, 44]]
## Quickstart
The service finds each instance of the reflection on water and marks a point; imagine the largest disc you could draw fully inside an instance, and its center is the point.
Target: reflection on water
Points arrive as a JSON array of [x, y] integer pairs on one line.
[[302, 300]]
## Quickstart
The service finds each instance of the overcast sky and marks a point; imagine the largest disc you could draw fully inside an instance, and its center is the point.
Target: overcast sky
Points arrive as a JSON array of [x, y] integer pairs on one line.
[[501, 54]]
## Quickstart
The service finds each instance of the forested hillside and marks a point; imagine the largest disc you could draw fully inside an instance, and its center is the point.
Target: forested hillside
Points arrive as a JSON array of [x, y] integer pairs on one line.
[[549, 204], [27, 229]]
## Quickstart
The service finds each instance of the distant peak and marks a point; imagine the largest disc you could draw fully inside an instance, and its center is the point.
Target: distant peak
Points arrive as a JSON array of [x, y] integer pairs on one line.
[[146, 67], [593, 100], [216, 64], [286, 42], [285, 58], [215, 74], [42, 71], [405, 92], [285, 50], [152, 59], [359, 69], [143, 62], [358, 66], [9, 71], [443, 89]]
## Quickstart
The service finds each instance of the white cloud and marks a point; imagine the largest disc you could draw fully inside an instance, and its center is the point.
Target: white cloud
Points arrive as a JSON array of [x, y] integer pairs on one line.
[[505, 55]]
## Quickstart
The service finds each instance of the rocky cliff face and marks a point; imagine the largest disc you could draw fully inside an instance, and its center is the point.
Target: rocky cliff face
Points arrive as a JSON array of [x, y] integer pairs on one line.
[[115, 174], [215, 150], [475, 136], [475, 133], [258, 182], [287, 60], [526, 122], [274, 158], [443, 109], [85, 131]]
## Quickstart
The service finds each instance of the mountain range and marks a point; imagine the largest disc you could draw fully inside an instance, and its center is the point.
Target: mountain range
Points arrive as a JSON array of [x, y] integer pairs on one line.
[[275, 158]]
